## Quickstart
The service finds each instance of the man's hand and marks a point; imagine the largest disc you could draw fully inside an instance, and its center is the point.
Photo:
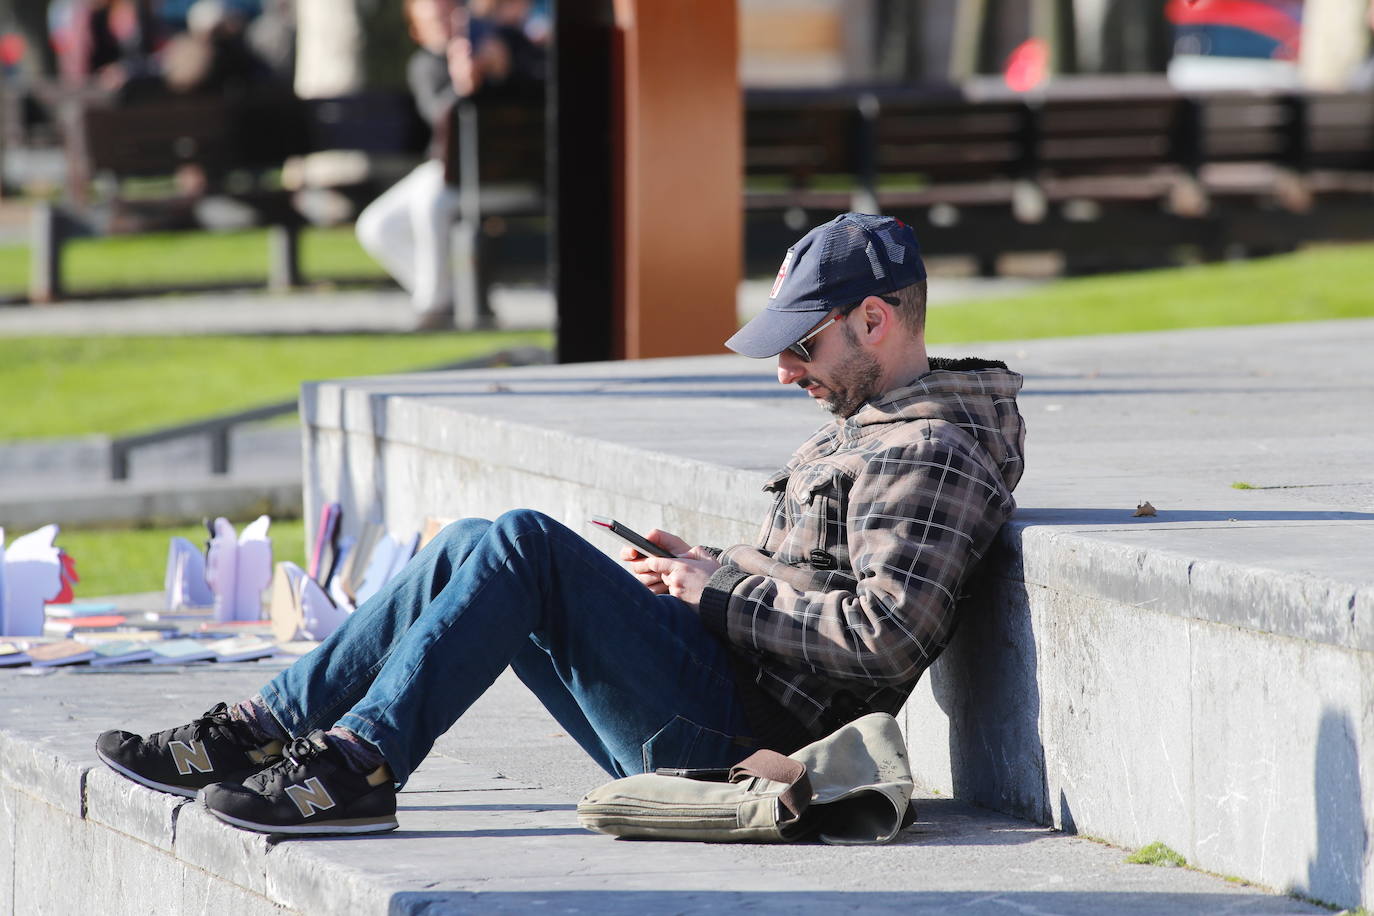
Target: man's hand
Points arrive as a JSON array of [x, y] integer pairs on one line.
[[462, 68], [683, 576]]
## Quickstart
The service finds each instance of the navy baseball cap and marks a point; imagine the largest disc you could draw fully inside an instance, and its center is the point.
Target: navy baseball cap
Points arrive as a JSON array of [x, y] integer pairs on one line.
[[839, 263]]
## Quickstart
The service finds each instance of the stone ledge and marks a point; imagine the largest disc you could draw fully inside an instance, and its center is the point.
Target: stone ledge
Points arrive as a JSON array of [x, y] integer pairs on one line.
[[1110, 662]]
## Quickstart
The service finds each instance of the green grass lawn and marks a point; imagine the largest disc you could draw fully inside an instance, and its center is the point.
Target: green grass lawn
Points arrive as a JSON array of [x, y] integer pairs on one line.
[[116, 385], [1317, 284], [79, 385], [125, 561], [190, 258]]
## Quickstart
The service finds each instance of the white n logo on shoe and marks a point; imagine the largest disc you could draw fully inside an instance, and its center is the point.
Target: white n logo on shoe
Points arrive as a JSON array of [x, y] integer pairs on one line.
[[310, 797], [188, 757]]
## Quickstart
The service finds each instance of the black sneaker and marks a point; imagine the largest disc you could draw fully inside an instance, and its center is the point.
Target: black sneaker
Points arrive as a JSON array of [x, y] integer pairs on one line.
[[184, 760], [310, 790]]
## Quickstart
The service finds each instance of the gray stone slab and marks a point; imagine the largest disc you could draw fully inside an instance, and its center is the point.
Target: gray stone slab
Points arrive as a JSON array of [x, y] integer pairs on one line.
[[126, 807], [1279, 791], [498, 839], [35, 769], [182, 502], [9, 819], [1068, 695]]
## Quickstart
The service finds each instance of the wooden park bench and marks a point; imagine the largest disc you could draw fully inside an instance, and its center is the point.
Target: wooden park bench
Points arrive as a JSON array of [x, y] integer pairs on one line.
[[239, 146], [1094, 169]]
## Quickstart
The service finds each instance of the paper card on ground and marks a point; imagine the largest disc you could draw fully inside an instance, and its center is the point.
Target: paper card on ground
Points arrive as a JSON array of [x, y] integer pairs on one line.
[[254, 569], [324, 553], [69, 577], [337, 587], [238, 569], [300, 608], [388, 558], [32, 576], [354, 566], [319, 615], [432, 526], [285, 608], [185, 583], [408, 545]]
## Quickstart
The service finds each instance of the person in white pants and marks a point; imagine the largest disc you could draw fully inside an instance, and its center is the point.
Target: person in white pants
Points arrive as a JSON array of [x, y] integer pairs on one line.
[[407, 229]]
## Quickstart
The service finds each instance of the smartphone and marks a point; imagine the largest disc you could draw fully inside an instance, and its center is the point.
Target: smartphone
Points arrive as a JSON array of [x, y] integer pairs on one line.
[[630, 536]]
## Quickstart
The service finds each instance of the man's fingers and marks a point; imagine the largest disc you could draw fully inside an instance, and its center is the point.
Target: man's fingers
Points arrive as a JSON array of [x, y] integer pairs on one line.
[[671, 542]]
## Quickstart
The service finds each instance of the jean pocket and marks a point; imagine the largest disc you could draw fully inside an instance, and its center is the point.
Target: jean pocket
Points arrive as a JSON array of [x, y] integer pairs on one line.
[[683, 743]]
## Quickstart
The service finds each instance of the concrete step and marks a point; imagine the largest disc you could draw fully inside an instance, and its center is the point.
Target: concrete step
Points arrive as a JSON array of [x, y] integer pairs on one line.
[[488, 824], [68, 480], [1203, 677]]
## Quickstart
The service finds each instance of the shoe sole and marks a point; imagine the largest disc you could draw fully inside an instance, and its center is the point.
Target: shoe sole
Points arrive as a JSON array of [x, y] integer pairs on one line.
[[144, 780], [324, 828]]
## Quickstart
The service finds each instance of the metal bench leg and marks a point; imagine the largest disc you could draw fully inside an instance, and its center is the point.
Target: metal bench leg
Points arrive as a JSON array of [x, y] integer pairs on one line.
[[284, 258], [471, 306], [45, 253]]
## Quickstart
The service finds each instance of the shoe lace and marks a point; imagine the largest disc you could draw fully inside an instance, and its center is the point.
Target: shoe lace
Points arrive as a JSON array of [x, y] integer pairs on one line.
[[218, 717]]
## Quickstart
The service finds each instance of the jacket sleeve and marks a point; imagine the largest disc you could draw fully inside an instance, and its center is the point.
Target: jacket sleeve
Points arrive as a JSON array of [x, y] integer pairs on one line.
[[917, 519]]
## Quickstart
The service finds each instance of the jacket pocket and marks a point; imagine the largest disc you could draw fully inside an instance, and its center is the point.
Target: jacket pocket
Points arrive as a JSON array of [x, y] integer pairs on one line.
[[822, 500]]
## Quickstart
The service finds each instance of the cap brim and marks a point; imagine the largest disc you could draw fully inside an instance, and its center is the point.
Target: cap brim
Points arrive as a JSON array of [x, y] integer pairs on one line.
[[772, 331]]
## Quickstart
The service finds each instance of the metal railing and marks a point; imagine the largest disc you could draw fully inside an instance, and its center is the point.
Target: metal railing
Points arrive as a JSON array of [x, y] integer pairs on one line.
[[218, 428]]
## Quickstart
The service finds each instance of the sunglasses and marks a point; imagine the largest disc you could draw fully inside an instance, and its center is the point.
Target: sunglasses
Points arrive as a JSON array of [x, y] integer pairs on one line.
[[800, 350]]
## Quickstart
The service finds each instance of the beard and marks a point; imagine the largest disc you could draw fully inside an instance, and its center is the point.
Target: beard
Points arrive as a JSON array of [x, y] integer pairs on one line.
[[853, 381]]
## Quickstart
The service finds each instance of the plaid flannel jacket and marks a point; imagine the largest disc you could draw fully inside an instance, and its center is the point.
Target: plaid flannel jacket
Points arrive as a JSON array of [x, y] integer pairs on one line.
[[877, 521]]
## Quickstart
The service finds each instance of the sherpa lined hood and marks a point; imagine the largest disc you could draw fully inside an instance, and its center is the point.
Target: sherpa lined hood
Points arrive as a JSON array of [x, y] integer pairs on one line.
[[978, 395]]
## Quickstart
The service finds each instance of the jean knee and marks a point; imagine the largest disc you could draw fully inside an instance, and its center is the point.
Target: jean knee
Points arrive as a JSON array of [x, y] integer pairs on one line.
[[457, 538], [522, 521]]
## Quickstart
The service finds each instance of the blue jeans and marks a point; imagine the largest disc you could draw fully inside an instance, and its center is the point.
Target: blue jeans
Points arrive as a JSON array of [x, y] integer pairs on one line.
[[633, 677]]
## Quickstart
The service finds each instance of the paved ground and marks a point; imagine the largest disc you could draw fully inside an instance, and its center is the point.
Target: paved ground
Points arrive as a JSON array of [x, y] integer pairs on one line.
[[488, 824]]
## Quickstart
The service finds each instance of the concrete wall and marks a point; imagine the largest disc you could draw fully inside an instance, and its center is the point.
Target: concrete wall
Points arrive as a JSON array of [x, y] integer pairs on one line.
[[78, 841], [1239, 748], [1104, 680]]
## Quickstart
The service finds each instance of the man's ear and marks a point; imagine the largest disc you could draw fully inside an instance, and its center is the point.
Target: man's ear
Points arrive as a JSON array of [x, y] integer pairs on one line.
[[878, 319]]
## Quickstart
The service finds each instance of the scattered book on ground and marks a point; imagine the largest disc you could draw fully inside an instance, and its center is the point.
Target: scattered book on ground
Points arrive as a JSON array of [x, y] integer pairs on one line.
[[12, 654], [180, 651], [67, 626], [65, 652], [121, 652], [81, 609], [241, 648]]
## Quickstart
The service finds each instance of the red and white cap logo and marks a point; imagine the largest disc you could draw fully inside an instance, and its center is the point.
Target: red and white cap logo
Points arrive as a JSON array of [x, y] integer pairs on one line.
[[782, 274]]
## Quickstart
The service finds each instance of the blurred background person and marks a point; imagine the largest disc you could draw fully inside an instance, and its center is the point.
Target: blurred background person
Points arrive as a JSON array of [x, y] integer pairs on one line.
[[213, 57], [461, 54], [1363, 79]]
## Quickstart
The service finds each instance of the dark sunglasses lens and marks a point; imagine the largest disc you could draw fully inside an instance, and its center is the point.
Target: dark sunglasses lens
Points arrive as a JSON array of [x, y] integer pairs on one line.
[[799, 350]]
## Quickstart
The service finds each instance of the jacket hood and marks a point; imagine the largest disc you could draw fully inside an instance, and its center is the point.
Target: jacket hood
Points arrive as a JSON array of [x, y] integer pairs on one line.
[[978, 395]]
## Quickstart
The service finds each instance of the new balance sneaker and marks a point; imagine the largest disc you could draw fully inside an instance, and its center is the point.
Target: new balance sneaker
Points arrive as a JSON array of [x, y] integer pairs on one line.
[[186, 759], [309, 791]]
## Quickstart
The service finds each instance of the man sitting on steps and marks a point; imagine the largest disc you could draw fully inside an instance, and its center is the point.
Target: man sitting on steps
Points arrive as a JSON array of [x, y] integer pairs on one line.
[[693, 661]]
